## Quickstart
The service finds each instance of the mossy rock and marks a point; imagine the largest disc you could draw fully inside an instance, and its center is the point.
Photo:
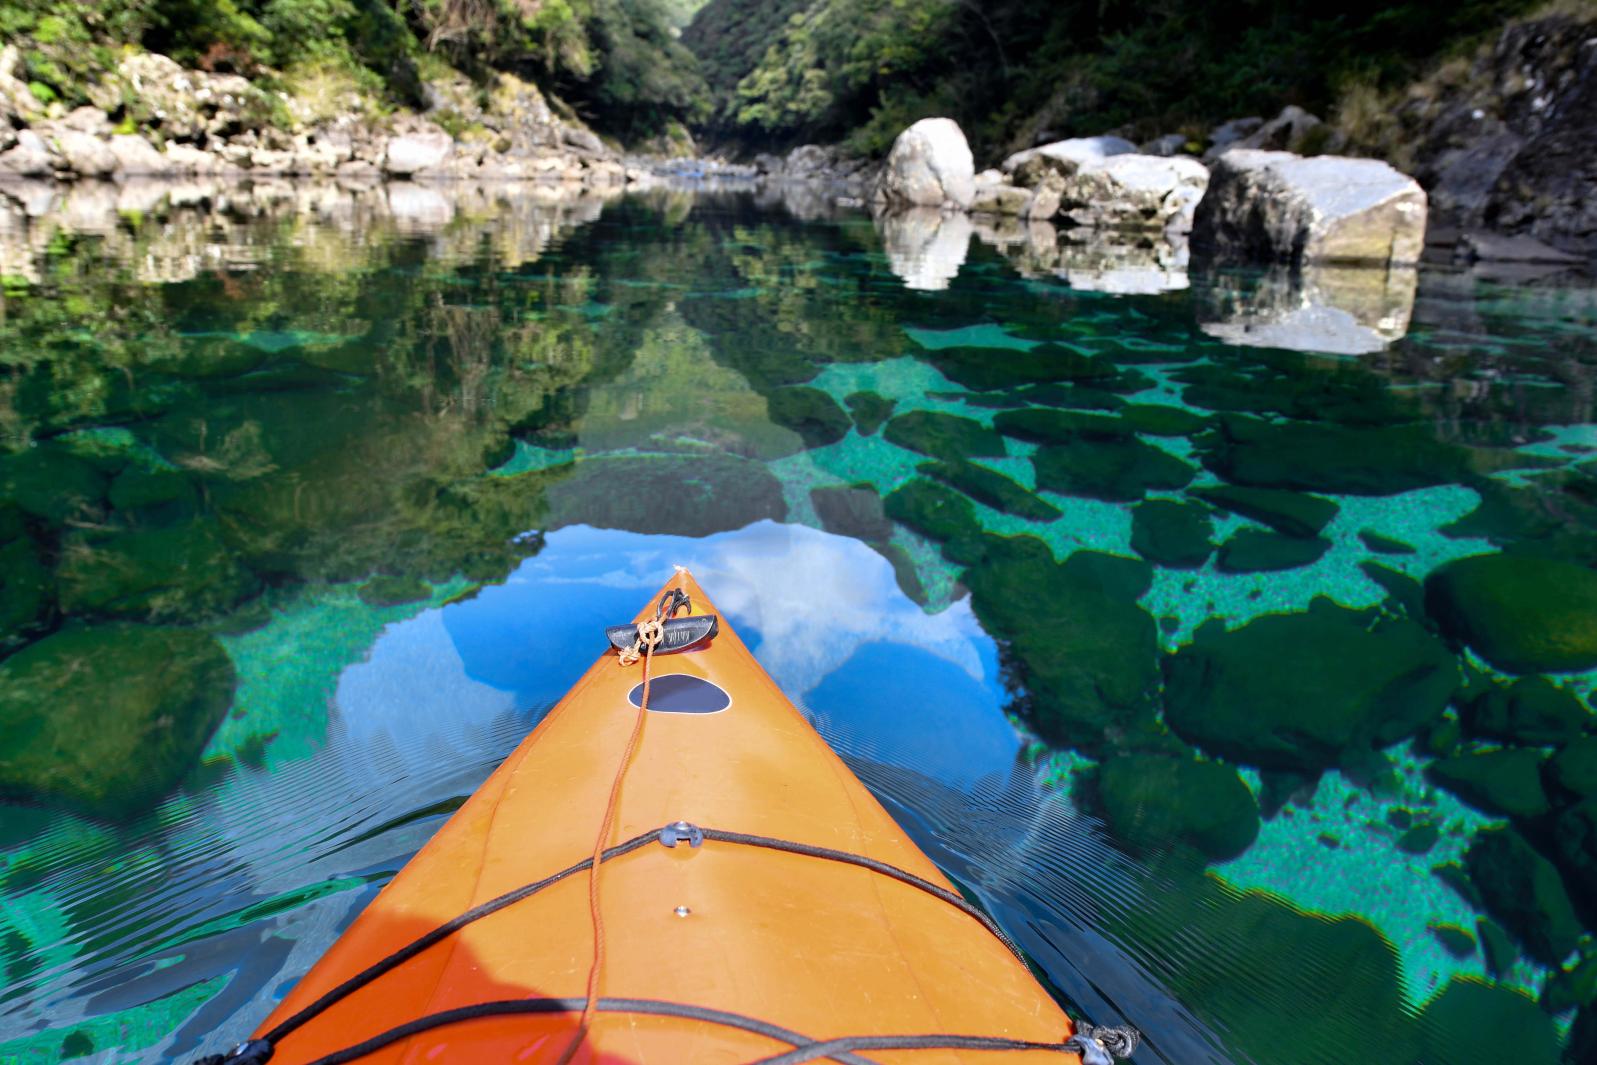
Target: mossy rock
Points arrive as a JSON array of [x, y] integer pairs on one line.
[[1085, 651], [1344, 460], [1384, 545], [51, 485], [1573, 770], [992, 488], [1238, 943], [1455, 940], [1497, 947], [1575, 842], [939, 514], [1060, 426], [943, 436], [1117, 471], [106, 719], [674, 495], [1172, 534], [809, 412], [1523, 892], [1152, 802], [1505, 783], [141, 488], [181, 573], [854, 511], [26, 590], [1531, 712], [1258, 551], [1278, 693], [1076, 397], [1405, 595], [1158, 419], [1457, 1026], [984, 369], [388, 590], [869, 410], [1520, 613], [1289, 513]]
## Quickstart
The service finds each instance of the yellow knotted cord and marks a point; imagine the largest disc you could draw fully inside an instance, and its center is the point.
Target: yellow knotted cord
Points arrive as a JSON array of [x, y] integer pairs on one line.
[[650, 633]]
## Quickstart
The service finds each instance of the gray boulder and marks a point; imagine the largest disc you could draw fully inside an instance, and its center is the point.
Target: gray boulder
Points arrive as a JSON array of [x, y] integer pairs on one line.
[[1000, 198], [1169, 144], [1279, 207], [1135, 192], [421, 150], [1293, 130], [84, 154], [135, 155], [1065, 157], [30, 157], [930, 165]]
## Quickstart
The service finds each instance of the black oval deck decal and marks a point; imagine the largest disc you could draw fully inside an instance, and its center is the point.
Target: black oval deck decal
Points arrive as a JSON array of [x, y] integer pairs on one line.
[[677, 693]]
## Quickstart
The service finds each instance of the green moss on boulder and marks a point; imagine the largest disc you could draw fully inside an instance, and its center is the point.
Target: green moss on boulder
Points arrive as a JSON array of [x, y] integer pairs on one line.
[[1153, 802], [1532, 712], [869, 411], [992, 488], [1290, 513], [1320, 457], [1279, 693], [1520, 613], [106, 719], [1060, 426], [1172, 534], [943, 436], [1118, 471], [1456, 1023], [1085, 652], [1522, 891], [388, 590], [51, 485], [180, 573], [1505, 783], [939, 514], [1258, 551], [809, 412], [1158, 419]]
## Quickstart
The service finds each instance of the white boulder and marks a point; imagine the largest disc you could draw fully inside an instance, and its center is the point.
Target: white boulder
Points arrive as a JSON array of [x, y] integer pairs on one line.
[[135, 155], [1135, 192], [930, 166], [1279, 207], [422, 150], [1063, 157]]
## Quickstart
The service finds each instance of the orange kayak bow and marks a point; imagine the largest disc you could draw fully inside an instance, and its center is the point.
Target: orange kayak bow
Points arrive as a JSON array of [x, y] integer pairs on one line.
[[757, 903]]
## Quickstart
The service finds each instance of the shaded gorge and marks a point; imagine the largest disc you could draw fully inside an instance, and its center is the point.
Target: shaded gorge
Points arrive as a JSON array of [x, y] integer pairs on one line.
[[1231, 638]]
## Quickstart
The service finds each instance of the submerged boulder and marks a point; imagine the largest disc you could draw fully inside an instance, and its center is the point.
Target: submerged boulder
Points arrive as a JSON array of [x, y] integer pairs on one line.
[[1520, 613], [1172, 534], [1532, 711], [1259, 551], [809, 412], [1506, 783], [853, 511], [930, 165], [1152, 802], [1292, 513], [1340, 459], [868, 410], [992, 488], [1118, 471], [1279, 207], [939, 514], [1278, 692], [944, 436], [106, 719], [1085, 651], [1523, 892], [159, 574], [1454, 1024]]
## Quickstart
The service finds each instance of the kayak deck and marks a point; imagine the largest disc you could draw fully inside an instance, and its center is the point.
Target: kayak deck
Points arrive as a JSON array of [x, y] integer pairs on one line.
[[818, 948]]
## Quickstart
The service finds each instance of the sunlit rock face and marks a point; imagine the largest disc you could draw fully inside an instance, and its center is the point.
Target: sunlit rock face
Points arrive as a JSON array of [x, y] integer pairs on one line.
[[924, 246], [930, 166], [1278, 207], [1339, 310]]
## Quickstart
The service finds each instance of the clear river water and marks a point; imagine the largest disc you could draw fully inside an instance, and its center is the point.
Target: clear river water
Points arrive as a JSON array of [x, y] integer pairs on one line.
[[1230, 636]]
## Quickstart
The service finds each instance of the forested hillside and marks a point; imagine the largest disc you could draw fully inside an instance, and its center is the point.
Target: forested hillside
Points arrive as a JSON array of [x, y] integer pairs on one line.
[[617, 61], [786, 71]]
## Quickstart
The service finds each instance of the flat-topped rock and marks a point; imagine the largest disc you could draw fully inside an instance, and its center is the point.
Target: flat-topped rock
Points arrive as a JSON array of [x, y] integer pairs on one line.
[[1279, 207], [1063, 157]]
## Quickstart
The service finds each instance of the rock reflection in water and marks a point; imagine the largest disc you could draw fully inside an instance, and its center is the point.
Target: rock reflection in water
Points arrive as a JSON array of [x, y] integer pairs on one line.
[[1090, 260], [1339, 310], [924, 246], [213, 216]]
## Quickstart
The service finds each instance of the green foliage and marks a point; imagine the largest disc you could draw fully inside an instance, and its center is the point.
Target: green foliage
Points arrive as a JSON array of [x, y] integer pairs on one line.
[[1008, 70]]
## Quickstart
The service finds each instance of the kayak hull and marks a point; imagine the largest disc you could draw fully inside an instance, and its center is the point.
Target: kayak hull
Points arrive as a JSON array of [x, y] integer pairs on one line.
[[817, 948]]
